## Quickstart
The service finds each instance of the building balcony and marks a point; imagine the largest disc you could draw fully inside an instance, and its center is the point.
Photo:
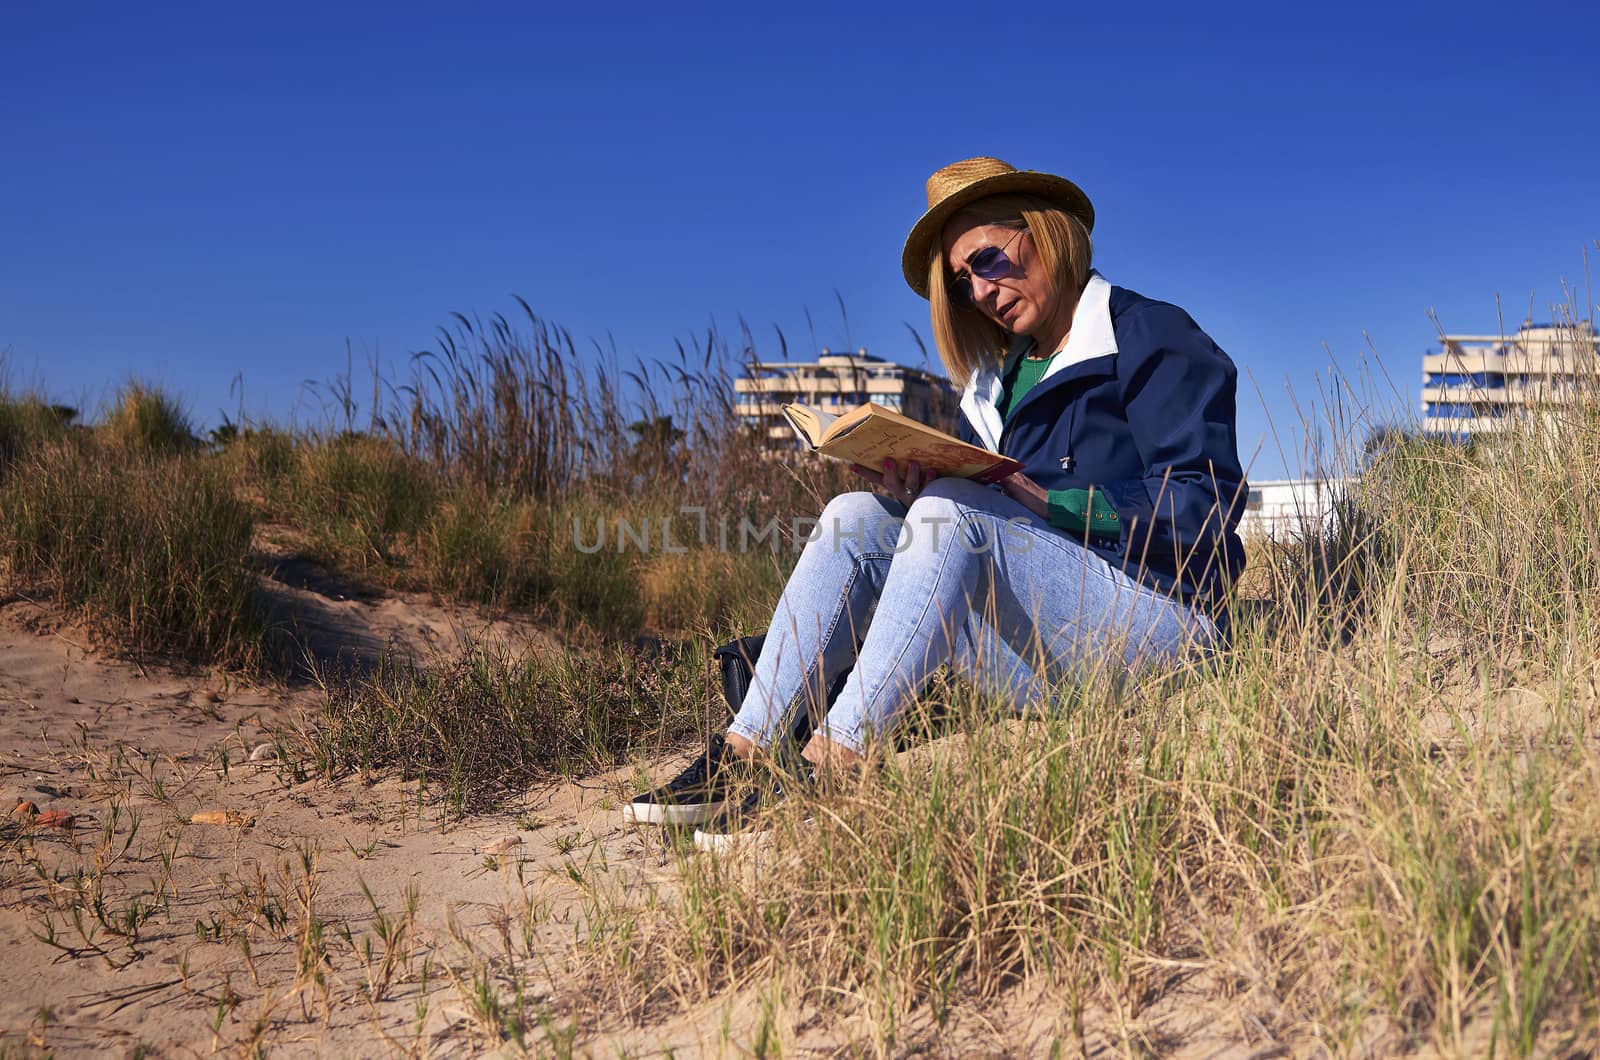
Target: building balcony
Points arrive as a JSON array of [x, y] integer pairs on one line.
[[1550, 391], [837, 383], [1466, 394], [1460, 425], [1463, 362], [1537, 366], [759, 408], [821, 385]]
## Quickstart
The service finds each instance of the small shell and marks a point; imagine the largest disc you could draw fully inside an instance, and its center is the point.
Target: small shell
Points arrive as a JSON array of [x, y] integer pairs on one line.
[[55, 819], [25, 809]]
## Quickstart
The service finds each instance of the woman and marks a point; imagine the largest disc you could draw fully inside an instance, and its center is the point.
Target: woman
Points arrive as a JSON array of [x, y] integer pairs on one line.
[[1115, 543]]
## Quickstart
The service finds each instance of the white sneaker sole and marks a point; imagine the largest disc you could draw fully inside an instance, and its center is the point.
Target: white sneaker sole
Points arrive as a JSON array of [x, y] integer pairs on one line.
[[669, 814], [730, 842]]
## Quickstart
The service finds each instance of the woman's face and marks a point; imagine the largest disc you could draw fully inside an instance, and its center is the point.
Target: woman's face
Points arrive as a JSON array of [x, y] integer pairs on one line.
[[1024, 300]]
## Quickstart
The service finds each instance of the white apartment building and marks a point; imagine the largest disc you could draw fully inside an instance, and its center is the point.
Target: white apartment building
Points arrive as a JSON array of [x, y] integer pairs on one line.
[[838, 382], [1283, 508], [1476, 384]]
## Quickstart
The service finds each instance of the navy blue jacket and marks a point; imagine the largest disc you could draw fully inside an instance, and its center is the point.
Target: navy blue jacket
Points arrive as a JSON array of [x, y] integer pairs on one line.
[[1141, 409]]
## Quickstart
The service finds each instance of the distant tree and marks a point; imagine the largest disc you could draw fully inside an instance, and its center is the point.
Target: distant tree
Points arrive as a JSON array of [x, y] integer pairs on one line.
[[1382, 440], [655, 438], [658, 454], [225, 434]]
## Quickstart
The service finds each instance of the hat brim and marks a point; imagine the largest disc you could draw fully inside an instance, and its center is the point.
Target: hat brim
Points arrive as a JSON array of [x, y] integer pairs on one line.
[[929, 229]]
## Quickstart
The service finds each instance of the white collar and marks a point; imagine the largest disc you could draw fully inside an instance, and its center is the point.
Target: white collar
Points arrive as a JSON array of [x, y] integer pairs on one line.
[[1091, 336]]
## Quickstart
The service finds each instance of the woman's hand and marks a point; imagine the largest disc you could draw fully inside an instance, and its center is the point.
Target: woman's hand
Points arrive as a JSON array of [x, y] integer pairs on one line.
[[902, 488], [1026, 492]]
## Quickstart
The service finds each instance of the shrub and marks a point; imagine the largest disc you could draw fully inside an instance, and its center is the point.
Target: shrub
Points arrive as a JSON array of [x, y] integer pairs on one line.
[[359, 499], [262, 460], [147, 420], [28, 424], [478, 466], [478, 547], [150, 550], [489, 722], [708, 588]]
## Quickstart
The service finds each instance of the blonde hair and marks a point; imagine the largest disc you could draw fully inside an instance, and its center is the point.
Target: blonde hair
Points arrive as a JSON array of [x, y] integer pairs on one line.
[[966, 339]]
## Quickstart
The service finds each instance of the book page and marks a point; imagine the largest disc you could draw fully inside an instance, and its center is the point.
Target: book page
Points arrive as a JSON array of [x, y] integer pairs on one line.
[[839, 426], [811, 424]]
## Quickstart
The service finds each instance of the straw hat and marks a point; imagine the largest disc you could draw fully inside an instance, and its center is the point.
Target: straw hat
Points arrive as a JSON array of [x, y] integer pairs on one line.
[[967, 181]]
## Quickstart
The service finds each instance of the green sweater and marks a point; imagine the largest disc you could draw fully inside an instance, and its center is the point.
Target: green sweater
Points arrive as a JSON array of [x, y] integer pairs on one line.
[[1079, 512]]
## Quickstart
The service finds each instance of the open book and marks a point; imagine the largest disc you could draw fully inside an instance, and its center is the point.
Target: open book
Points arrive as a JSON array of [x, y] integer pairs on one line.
[[870, 434]]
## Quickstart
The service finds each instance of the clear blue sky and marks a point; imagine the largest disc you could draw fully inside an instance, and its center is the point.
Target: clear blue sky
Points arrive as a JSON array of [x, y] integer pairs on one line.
[[191, 193]]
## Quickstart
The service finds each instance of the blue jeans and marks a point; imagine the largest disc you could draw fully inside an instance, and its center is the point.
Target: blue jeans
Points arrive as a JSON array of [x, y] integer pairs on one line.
[[965, 576]]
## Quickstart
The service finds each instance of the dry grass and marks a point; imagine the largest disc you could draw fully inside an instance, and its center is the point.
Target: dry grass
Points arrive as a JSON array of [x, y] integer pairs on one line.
[[28, 423], [145, 419], [1372, 827], [491, 723], [479, 477]]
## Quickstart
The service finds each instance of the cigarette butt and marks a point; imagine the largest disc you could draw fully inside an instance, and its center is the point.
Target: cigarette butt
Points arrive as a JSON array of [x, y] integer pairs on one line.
[[502, 846], [231, 818]]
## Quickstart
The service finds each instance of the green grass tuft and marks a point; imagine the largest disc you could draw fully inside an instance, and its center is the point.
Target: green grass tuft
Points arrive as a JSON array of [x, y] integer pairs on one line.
[[488, 723]]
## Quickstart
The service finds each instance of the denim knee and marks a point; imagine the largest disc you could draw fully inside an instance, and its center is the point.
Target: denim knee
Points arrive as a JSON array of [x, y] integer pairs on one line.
[[862, 520], [949, 507], [858, 504], [962, 491]]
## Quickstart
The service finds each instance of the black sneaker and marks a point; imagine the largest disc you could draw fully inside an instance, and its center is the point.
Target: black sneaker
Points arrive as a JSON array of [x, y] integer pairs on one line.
[[740, 826], [696, 795]]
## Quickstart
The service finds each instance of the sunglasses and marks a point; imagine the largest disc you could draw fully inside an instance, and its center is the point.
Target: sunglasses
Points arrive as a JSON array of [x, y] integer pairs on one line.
[[989, 263]]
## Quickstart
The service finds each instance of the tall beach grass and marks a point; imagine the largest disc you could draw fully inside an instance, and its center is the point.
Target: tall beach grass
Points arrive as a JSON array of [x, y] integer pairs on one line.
[[1371, 827], [484, 471]]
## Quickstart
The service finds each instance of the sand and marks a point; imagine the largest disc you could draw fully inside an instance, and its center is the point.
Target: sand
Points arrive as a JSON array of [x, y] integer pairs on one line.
[[354, 918], [259, 932]]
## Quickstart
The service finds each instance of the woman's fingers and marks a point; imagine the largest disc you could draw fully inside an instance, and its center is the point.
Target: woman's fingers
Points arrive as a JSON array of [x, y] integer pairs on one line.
[[874, 477], [902, 487], [892, 482], [915, 479]]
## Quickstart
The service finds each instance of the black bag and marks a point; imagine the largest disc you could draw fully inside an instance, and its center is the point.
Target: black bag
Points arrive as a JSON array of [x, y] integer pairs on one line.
[[737, 660]]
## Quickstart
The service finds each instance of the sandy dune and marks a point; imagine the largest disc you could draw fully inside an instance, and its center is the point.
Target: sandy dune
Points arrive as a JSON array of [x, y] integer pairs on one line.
[[263, 935], [346, 918]]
